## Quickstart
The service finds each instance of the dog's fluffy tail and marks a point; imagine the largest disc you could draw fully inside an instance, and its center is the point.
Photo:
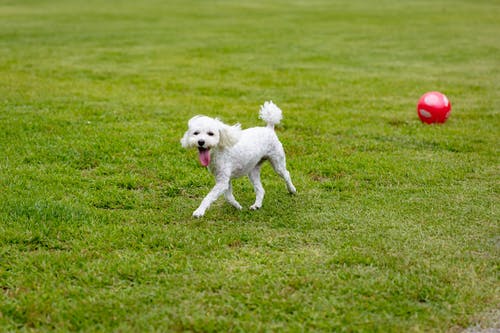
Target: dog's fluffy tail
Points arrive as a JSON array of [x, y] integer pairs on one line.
[[271, 114]]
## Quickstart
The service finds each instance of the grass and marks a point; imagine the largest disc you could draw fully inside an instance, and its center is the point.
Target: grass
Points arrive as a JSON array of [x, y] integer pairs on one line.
[[396, 224]]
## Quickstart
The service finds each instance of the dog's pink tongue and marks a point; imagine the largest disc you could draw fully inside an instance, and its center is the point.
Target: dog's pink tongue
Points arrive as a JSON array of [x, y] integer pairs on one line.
[[204, 157]]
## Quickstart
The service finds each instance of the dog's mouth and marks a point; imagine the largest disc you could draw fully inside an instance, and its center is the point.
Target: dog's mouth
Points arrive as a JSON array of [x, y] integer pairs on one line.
[[204, 155]]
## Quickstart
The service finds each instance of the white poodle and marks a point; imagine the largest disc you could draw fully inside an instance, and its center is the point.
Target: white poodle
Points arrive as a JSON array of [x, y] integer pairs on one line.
[[230, 152]]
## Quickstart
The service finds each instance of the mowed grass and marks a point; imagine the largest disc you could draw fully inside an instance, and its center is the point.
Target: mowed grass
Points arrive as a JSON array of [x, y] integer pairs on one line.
[[395, 227]]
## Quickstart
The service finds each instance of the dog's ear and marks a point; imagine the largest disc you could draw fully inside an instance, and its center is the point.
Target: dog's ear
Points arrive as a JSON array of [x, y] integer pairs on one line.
[[184, 140], [229, 135]]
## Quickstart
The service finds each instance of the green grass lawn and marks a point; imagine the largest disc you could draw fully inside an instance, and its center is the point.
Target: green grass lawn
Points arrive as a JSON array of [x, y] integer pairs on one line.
[[395, 227]]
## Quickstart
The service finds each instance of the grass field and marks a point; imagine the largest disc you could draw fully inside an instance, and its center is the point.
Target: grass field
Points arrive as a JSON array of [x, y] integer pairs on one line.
[[395, 227]]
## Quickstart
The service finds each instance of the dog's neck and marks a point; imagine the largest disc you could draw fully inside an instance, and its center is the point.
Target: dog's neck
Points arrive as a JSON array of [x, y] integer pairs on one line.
[[215, 154]]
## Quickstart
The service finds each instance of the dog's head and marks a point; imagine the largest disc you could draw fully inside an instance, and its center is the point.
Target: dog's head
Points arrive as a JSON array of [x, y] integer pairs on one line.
[[206, 133]]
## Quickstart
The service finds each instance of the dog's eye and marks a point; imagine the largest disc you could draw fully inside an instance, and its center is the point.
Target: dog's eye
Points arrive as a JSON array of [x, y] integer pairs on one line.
[[210, 133], [196, 133]]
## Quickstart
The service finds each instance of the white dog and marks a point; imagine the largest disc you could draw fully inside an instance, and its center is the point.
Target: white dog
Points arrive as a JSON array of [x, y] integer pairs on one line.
[[230, 152]]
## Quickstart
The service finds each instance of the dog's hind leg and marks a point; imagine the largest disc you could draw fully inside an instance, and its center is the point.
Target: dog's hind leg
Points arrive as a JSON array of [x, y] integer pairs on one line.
[[278, 162], [254, 176], [230, 197]]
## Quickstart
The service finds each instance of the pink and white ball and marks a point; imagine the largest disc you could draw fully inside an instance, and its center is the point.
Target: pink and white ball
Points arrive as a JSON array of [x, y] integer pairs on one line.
[[433, 107]]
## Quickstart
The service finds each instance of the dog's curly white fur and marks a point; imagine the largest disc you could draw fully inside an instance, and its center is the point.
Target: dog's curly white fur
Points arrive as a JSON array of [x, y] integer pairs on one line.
[[230, 152]]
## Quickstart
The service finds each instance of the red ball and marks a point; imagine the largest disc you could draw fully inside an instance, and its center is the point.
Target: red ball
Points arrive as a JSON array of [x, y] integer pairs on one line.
[[433, 107]]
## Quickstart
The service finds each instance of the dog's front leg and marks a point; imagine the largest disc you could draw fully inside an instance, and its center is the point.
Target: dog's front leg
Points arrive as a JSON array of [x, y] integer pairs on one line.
[[221, 186]]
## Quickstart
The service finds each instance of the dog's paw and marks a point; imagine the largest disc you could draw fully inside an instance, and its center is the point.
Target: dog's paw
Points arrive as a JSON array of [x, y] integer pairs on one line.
[[198, 213], [255, 207]]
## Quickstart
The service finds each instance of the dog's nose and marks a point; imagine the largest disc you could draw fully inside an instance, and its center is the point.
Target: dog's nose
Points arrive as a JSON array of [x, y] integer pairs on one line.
[[201, 143]]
